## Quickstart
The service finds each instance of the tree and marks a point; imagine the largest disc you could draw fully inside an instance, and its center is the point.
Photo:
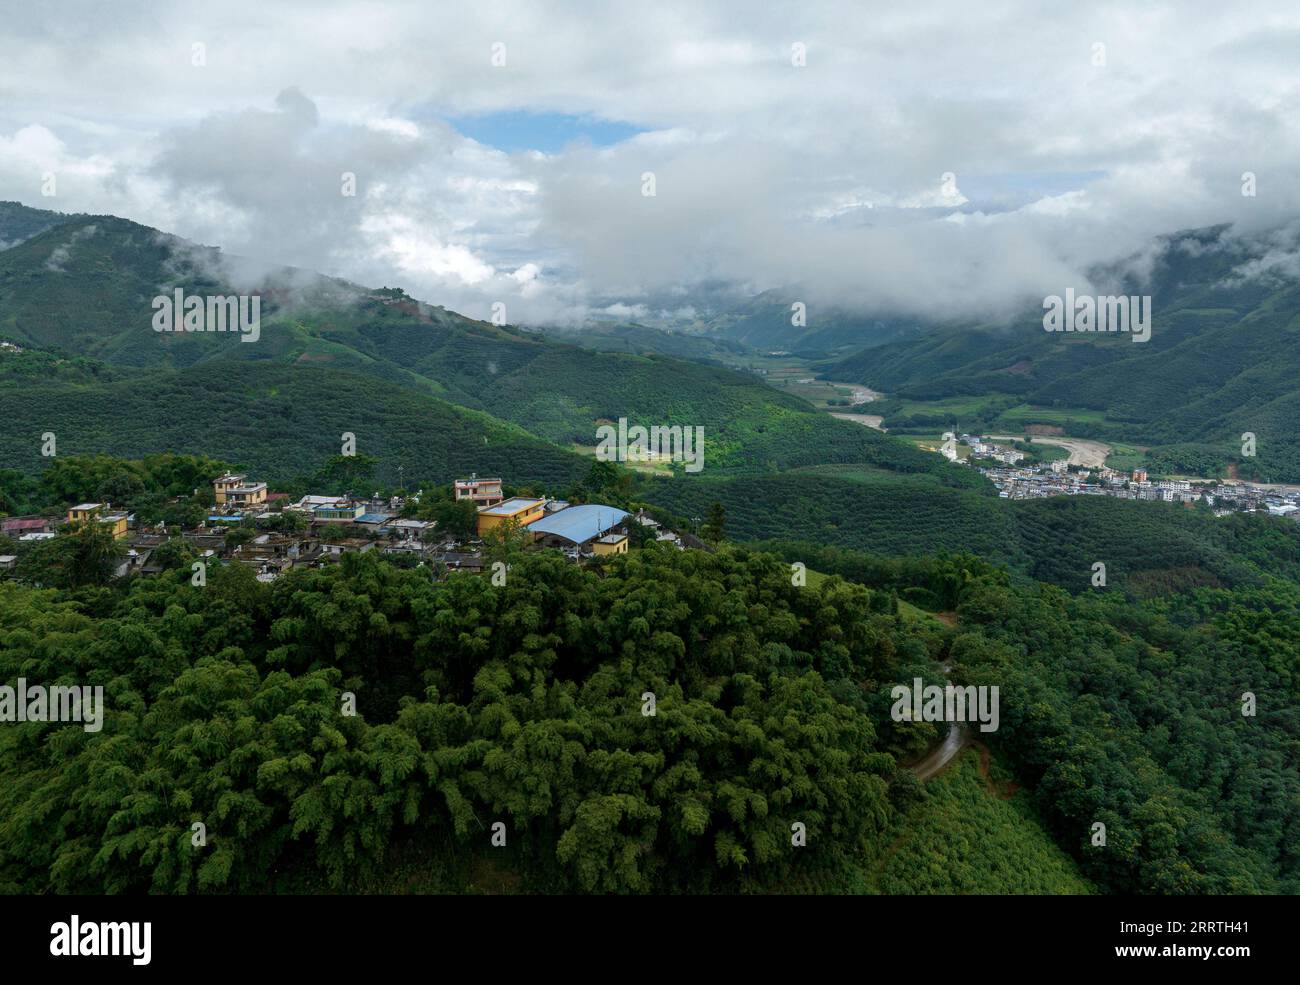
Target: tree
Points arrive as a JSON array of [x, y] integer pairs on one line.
[[455, 518], [285, 522], [604, 482], [347, 474], [505, 541], [715, 529], [17, 492], [121, 487], [82, 554], [148, 508], [172, 474], [184, 514], [174, 553], [76, 478]]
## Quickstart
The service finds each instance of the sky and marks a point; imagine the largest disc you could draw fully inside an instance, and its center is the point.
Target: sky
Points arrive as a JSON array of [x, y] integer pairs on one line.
[[937, 159]]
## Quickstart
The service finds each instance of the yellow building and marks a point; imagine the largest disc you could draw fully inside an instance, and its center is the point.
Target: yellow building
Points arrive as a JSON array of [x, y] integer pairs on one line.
[[231, 489], [520, 509], [85, 512], [610, 544]]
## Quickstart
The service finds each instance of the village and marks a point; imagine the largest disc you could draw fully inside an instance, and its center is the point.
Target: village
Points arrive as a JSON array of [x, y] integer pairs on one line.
[[1057, 478], [253, 526]]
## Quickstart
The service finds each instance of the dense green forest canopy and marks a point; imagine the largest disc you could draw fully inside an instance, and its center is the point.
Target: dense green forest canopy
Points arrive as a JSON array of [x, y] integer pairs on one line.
[[525, 704], [1148, 548]]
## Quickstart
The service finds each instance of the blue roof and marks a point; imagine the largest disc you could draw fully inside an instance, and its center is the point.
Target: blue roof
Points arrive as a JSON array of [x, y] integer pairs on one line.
[[579, 524], [374, 517]]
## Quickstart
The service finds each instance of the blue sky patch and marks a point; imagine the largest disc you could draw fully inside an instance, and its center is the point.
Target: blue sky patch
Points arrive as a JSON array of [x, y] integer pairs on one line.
[[519, 130]]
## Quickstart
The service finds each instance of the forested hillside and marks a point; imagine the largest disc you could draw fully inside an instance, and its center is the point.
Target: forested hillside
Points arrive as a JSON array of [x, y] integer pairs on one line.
[[272, 419], [640, 340], [768, 321], [1222, 360], [18, 222], [1148, 548], [525, 705], [85, 289]]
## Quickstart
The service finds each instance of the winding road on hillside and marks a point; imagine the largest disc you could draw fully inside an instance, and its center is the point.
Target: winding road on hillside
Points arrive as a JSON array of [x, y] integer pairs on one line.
[[957, 739]]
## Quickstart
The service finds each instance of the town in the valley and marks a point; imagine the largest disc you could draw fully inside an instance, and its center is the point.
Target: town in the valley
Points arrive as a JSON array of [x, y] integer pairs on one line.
[[1015, 478]]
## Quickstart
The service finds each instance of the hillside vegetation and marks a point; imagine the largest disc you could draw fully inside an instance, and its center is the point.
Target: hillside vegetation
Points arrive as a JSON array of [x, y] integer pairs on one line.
[[274, 420], [1148, 548], [520, 711], [1222, 361], [85, 288]]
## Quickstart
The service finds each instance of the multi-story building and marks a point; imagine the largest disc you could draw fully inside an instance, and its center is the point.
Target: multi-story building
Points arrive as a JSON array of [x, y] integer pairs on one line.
[[86, 512], [483, 492], [233, 490]]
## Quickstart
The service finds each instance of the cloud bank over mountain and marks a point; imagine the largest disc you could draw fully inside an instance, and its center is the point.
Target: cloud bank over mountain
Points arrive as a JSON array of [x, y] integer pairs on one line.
[[939, 162]]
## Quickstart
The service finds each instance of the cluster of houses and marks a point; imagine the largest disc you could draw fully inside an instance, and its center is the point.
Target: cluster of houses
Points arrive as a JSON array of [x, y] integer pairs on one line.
[[1056, 479], [983, 448], [1037, 481], [587, 530], [330, 526]]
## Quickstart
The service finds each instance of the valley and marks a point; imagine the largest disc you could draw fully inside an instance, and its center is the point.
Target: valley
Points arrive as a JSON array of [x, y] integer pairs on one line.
[[916, 566]]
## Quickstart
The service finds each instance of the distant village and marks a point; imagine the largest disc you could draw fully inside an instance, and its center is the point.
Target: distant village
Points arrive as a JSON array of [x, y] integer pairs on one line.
[[327, 527], [1036, 481]]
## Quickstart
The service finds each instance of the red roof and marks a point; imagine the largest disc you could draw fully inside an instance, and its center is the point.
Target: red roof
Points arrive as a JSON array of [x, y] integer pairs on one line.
[[37, 524]]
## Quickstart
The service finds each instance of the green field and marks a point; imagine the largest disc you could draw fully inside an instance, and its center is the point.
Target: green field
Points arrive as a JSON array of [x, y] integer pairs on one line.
[[956, 406], [916, 614], [655, 466], [1060, 416], [1125, 457]]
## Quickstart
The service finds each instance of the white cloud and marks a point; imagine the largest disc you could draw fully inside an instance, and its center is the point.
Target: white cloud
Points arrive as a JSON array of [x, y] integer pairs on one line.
[[827, 176]]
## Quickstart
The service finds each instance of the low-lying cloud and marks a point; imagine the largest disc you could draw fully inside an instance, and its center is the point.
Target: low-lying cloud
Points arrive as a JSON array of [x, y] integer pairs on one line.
[[941, 162]]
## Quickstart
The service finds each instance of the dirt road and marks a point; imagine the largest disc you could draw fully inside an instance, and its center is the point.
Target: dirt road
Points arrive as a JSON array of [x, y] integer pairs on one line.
[[1083, 451], [870, 420]]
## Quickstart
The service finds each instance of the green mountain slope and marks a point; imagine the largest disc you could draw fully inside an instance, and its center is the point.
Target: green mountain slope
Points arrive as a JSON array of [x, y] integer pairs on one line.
[[86, 287], [18, 222], [645, 341], [1148, 548], [767, 322], [274, 420], [1222, 360]]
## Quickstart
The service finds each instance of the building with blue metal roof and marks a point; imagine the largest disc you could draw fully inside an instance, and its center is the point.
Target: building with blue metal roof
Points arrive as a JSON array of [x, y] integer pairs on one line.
[[578, 524]]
